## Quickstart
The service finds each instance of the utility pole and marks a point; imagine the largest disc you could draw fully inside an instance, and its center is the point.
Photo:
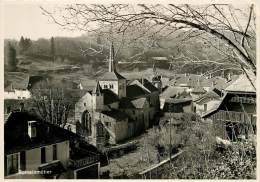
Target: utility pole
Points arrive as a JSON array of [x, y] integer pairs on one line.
[[170, 148]]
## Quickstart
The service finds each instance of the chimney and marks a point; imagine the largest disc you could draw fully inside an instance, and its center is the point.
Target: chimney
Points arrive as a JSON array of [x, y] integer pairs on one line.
[[213, 84], [142, 81], [223, 74], [228, 77], [32, 132], [21, 107]]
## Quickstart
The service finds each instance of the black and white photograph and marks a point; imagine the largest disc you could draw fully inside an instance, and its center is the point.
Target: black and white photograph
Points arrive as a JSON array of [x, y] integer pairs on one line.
[[121, 90]]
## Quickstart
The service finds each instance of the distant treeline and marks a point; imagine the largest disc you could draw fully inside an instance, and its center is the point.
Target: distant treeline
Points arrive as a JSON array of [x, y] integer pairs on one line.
[[73, 50]]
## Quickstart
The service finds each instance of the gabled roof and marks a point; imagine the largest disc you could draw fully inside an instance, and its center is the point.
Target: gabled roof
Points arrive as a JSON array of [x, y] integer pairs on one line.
[[112, 76], [192, 80], [215, 107], [198, 89], [212, 94], [178, 101], [245, 83], [135, 91], [127, 103], [147, 84], [171, 91], [109, 96], [139, 103], [16, 137]]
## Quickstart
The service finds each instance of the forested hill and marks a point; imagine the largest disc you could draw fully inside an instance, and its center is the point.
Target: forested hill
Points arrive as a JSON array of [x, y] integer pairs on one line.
[[84, 50]]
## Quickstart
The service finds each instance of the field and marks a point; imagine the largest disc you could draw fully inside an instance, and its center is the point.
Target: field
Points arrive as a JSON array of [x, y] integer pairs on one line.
[[87, 74]]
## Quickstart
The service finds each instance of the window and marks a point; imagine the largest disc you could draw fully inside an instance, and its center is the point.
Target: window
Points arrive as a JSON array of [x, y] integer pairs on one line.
[[85, 104], [8, 110], [105, 86], [205, 107], [111, 86], [43, 155], [12, 164], [54, 151], [108, 124], [22, 161]]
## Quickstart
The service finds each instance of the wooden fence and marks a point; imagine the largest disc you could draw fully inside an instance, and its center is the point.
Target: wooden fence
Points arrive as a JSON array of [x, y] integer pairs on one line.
[[156, 170]]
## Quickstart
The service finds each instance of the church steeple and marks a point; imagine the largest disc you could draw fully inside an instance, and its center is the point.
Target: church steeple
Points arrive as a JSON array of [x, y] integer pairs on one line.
[[97, 89], [111, 59]]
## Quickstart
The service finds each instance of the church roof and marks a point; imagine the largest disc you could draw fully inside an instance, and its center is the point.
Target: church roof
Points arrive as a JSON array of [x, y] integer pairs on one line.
[[243, 84], [134, 91], [112, 76], [97, 88], [116, 114], [109, 96]]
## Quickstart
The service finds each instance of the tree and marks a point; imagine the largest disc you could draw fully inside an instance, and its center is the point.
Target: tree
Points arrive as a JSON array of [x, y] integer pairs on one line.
[[52, 49], [11, 58], [21, 44], [24, 44], [230, 30], [51, 105]]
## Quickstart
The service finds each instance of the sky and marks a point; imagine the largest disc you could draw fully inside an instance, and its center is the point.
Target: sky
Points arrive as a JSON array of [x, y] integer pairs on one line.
[[27, 20], [21, 19]]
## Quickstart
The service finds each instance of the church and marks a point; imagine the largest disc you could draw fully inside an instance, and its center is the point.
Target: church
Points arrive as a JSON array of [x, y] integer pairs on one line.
[[117, 108]]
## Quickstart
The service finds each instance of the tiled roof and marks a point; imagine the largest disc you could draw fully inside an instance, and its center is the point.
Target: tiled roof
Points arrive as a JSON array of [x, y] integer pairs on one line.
[[198, 89], [243, 84], [139, 103], [214, 107], [178, 101], [212, 94], [116, 114], [111, 76], [135, 91], [16, 140], [193, 80], [171, 91], [109, 96], [127, 103], [147, 84]]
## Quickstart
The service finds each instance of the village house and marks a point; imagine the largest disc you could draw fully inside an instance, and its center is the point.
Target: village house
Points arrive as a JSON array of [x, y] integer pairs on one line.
[[235, 115], [191, 81], [34, 149], [207, 101], [116, 109], [16, 86]]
